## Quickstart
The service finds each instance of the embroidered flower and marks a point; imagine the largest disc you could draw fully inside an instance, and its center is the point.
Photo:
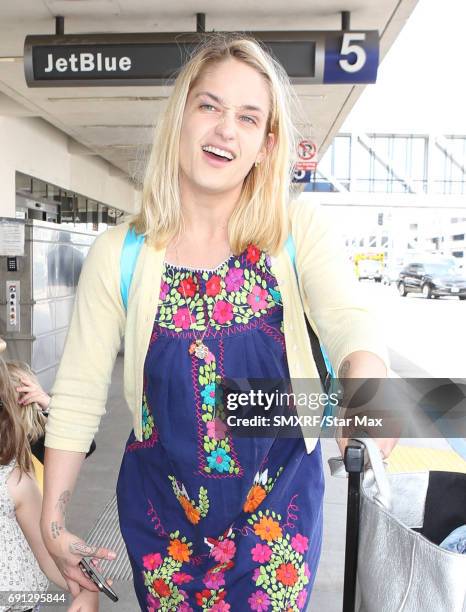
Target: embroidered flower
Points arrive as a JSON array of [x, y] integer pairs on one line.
[[256, 574], [255, 497], [179, 550], [287, 574], [299, 543], [268, 260], [184, 606], [234, 279], [187, 287], [261, 553], [216, 429], [301, 599], [223, 312], [210, 357], [253, 254], [164, 289], [214, 580], [307, 572], [192, 514], [224, 551], [220, 606], [208, 394], [153, 603], [161, 587], [181, 578], [203, 597], [259, 601], [182, 319], [152, 561], [212, 286], [219, 460], [268, 529], [256, 298]]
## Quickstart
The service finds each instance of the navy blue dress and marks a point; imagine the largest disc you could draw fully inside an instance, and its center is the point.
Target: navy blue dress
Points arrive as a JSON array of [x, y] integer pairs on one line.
[[213, 521]]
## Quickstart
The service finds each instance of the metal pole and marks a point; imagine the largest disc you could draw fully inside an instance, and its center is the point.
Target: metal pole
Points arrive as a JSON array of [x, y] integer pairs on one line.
[[345, 20], [59, 26], [200, 22]]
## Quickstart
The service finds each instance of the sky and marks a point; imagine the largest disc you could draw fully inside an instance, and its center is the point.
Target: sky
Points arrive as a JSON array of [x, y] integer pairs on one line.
[[421, 84]]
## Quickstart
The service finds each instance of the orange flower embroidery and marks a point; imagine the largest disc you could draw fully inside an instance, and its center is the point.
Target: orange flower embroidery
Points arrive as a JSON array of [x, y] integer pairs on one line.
[[287, 574], [268, 529], [255, 497], [192, 514], [179, 550]]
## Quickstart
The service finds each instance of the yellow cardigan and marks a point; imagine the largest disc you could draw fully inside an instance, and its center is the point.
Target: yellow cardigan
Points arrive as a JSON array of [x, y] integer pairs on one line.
[[331, 298]]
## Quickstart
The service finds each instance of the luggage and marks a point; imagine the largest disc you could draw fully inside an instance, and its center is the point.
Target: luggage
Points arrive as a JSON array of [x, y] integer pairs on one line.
[[395, 523]]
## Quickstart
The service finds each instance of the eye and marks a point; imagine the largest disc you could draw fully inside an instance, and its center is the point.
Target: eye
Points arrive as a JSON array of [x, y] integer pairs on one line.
[[207, 106], [248, 119]]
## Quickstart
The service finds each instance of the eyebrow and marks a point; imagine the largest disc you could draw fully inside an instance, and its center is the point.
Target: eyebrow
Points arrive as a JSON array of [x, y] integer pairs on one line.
[[250, 107]]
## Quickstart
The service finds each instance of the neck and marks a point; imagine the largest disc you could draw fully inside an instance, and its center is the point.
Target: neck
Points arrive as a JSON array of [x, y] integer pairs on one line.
[[206, 215]]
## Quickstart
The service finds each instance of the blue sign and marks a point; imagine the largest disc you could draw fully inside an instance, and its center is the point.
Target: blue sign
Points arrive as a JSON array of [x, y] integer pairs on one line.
[[302, 176], [351, 57]]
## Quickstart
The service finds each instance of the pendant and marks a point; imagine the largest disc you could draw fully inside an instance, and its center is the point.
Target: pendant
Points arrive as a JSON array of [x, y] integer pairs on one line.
[[198, 349]]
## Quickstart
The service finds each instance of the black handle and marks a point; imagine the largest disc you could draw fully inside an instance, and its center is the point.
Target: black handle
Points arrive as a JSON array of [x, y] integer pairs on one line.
[[354, 464]]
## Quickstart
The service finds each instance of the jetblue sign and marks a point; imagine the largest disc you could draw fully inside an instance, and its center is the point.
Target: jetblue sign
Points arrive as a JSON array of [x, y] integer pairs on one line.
[[154, 59]]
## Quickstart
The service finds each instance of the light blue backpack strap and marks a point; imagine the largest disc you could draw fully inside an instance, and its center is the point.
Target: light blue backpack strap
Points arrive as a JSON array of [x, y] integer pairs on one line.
[[289, 244], [129, 255]]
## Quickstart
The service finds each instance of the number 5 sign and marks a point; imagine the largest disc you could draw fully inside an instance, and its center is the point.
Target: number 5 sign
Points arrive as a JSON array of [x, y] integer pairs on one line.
[[351, 57]]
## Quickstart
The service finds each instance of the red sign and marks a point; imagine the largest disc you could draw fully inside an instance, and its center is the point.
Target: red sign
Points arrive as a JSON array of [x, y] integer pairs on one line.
[[307, 152]]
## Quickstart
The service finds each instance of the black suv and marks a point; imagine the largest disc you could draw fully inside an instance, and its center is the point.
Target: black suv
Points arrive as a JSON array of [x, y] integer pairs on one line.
[[432, 279]]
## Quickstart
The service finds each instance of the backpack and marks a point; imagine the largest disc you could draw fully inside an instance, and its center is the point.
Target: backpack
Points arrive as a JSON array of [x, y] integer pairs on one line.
[[129, 254]]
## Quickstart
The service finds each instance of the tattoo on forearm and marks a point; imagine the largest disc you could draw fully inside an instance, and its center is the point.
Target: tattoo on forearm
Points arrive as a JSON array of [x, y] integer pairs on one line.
[[62, 501], [83, 549], [344, 368], [56, 529]]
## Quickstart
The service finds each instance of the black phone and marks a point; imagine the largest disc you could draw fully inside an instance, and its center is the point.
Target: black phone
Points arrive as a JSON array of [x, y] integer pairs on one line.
[[90, 571]]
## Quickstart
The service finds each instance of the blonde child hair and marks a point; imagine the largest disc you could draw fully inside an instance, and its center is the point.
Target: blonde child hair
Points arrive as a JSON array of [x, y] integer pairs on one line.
[[20, 426]]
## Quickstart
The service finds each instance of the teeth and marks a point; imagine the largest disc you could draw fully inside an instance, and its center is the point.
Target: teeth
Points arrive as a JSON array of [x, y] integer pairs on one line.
[[221, 152]]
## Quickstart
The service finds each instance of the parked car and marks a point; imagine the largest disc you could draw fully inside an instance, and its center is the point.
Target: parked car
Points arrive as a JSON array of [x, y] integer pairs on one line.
[[370, 269], [391, 274], [432, 279]]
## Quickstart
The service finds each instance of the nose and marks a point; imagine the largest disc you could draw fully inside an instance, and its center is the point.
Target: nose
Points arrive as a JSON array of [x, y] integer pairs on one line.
[[225, 127]]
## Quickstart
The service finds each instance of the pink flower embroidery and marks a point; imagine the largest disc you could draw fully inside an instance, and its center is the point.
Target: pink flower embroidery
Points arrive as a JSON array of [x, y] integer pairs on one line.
[[261, 553], [299, 543], [256, 299], [210, 357], [153, 603], [259, 601], [220, 606], [214, 580], [255, 574], [234, 279], [181, 578], [224, 551], [301, 599], [223, 312], [216, 429], [307, 573], [165, 288], [182, 319], [152, 561]]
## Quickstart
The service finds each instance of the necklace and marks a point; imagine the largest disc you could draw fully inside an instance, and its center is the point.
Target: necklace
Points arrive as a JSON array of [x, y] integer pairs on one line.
[[198, 348]]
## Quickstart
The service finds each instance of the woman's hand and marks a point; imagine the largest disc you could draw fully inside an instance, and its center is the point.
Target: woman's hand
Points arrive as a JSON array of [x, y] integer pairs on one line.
[[86, 601], [67, 550], [32, 392]]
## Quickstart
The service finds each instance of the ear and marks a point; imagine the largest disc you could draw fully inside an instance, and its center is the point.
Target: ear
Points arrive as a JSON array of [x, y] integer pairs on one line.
[[267, 147]]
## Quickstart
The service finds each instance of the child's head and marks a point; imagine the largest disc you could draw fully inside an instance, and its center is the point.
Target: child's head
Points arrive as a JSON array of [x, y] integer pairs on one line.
[[19, 425]]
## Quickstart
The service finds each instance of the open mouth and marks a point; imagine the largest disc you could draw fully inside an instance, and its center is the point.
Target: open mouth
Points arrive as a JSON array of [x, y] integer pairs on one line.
[[218, 156]]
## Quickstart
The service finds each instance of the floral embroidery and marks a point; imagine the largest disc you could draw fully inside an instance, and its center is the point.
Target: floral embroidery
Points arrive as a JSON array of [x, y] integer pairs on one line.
[[147, 419], [282, 573], [194, 512], [223, 550], [162, 575], [259, 490]]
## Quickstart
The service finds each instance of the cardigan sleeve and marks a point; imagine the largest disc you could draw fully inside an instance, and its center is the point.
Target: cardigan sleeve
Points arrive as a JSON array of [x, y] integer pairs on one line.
[[335, 304], [79, 393]]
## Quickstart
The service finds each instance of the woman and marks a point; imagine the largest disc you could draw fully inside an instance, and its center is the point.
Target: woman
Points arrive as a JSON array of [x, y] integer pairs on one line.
[[211, 521]]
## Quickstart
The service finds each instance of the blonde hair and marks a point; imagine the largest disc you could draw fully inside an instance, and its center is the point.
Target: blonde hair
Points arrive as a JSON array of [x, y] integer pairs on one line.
[[260, 216], [19, 425]]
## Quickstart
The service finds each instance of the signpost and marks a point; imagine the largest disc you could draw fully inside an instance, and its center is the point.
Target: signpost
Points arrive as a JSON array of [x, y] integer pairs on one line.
[[154, 58]]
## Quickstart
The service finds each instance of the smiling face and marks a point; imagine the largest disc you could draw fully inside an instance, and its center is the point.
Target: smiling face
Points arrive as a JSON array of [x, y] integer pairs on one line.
[[223, 132]]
